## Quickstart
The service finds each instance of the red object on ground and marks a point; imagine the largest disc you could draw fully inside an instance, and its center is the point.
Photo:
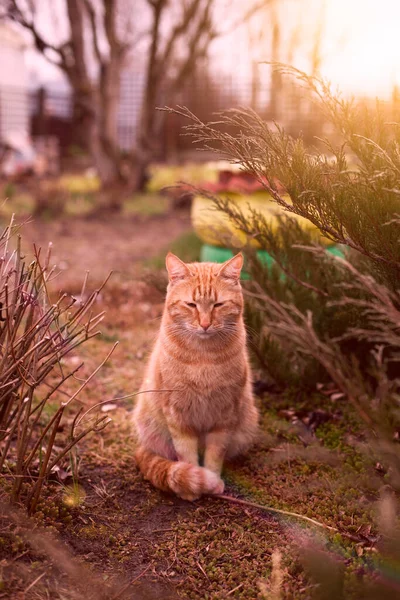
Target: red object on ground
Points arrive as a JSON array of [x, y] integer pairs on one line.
[[238, 182]]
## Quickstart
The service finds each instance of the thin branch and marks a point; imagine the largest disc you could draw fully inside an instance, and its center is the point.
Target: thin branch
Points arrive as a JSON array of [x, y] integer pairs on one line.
[[94, 31], [278, 511], [251, 12], [130, 583], [41, 44], [84, 384]]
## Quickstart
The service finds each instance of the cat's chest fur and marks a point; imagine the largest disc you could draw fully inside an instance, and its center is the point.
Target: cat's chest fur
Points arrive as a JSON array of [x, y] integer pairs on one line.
[[205, 394], [203, 375]]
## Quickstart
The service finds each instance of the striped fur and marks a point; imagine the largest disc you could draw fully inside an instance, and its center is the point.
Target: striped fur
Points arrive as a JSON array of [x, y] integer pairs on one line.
[[201, 401], [187, 481]]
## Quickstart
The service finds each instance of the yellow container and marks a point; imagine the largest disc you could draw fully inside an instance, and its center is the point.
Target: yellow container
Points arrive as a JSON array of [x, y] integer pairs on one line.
[[214, 227]]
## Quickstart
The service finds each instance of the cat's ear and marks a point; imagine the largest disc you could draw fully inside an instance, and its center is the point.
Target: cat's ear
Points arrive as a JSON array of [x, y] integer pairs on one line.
[[176, 268], [231, 268]]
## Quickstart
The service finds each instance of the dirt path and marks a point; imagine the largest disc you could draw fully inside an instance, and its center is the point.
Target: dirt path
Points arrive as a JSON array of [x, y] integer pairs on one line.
[[118, 243]]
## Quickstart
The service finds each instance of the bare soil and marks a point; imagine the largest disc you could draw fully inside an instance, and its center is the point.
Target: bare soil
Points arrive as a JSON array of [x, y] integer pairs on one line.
[[116, 243]]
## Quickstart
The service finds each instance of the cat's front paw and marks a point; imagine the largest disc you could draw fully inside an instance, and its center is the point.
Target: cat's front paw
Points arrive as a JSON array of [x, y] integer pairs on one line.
[[199, 481], [214, 483], [189, 497], [219, 489]]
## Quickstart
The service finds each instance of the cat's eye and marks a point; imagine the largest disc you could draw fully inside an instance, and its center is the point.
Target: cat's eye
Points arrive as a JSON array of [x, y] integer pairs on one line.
[[218, 304], [191, 304]]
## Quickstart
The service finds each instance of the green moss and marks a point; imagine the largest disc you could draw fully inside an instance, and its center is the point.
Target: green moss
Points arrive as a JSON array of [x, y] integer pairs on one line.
[[80, 204], [187, 246], [331, 435], [162, 176], [22, 203], [80, 184], [146, 205], [93, 531], [110, 336]]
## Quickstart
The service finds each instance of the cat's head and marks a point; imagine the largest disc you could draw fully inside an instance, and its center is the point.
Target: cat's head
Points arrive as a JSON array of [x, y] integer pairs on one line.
[[204, 300]]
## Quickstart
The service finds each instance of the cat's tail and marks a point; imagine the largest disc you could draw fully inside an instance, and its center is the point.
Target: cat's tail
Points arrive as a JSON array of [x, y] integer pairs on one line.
[[187, 481]]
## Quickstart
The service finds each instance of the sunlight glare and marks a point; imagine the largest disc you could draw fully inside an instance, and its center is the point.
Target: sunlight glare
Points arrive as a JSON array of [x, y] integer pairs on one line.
[[361, 52]]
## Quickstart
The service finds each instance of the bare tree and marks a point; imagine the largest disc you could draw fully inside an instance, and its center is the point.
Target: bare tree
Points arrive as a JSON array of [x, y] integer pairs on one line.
[[173, 54], [102, 37], [96, 96], [181, 35]]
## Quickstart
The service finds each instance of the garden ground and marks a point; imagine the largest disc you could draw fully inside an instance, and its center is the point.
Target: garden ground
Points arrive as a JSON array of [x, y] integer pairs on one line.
[[123, 539]]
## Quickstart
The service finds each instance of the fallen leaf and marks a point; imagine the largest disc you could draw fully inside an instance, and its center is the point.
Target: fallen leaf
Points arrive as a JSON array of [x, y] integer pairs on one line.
[[108, 407], [337, 396], [317, 417], [59, 474], [364, 530], [287, 413], [380, 468]]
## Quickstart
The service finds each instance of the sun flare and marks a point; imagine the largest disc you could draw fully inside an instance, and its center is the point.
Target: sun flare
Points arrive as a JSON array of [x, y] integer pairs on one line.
[[361, 50]]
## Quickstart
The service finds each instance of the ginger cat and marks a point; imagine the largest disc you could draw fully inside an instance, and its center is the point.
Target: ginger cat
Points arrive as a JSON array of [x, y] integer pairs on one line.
[[205, 405]]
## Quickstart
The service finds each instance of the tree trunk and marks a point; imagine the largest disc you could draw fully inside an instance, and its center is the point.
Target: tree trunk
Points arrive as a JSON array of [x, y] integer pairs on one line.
[[145, 144], [106, 166], [108, 124], [98, 106], [102, 147]]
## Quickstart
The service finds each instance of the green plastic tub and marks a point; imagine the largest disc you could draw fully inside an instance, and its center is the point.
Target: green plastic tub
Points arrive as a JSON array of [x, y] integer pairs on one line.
[[216, 254]]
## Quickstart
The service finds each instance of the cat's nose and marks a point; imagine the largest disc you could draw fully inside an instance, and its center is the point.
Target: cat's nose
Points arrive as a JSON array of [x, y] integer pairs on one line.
[[205, 323]]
